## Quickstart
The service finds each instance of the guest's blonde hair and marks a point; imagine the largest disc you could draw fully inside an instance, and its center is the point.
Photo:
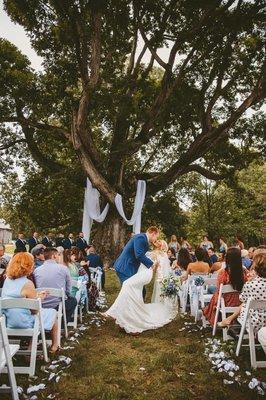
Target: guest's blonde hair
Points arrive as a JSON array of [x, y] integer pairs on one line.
[[259, 264], [20, 265]]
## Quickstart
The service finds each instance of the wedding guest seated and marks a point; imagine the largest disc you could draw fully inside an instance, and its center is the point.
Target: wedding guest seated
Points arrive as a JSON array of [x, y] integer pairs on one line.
[[95, 261], [233, 274], [69, 260], [183, 260], [255, 289], [20, 243], [219, 264], [246, 261], [38, 254], [251, 252], [4, 257], [81, 242], [212, 256], [54, 275], [198, 266], [16, 286], [206, 243], [171, 255], [33, 241], [173, 244]]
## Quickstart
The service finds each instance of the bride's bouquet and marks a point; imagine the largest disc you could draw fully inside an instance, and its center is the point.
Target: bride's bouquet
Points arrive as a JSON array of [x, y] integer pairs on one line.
[[170, 286]]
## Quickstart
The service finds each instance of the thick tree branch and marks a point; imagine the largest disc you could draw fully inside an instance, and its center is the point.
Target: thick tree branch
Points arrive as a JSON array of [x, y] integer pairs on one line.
[[207, 141]]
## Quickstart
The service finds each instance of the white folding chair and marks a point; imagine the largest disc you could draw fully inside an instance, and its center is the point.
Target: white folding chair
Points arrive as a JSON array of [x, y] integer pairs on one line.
[[7, 351], [38, 329], [205, 297], [221, 308], [194, 293], [251, 306], [61, 312], [79, 307]]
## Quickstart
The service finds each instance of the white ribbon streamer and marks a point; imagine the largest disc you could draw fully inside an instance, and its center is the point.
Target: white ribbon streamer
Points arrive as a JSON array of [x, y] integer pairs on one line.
[[91, 210], [135, 220]]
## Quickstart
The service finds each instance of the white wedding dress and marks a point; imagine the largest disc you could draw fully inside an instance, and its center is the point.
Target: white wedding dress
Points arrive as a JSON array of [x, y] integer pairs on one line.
[[129, 310], [163, 271]]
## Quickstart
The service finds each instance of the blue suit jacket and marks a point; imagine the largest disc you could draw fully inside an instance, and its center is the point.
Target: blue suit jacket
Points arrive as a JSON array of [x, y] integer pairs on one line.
[[133, 255]]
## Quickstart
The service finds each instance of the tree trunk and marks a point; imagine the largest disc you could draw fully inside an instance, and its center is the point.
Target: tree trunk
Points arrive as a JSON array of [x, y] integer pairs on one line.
[[110, 237]]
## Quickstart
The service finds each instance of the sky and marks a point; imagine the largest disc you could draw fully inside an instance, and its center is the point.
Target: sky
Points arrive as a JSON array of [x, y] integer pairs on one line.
[[17, 35]]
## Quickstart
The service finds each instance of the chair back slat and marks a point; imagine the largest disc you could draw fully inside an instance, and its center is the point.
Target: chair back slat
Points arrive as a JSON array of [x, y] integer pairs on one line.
[[54, 292], [227, 289], [30, 304]]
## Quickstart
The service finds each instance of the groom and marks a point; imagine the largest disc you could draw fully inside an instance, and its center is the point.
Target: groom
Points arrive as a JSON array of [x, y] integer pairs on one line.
[[134, 252]]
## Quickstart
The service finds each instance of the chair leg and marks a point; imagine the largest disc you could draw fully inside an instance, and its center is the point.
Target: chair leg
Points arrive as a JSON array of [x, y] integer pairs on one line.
[[65, 319], [11, 375], [252, 347], [33, 354], [59, 319], [240, 339]]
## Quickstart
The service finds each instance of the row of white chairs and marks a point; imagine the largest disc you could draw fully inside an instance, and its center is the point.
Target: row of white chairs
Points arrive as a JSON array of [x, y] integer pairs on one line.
[[10, 347], [199, 298]]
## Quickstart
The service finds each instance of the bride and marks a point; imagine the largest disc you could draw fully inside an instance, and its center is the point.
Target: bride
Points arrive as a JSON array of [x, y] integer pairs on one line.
[[129, 310], [163, 271]]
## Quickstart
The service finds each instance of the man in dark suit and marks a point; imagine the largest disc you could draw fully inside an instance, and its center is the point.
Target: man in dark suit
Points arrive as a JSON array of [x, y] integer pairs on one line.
[[20, 243], [81, 242], [48, 240], [33, 241], [69, 242], [59, 240]]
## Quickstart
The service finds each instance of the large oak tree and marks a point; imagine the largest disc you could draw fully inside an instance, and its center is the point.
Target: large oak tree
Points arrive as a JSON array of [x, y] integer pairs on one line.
[[98, 110]]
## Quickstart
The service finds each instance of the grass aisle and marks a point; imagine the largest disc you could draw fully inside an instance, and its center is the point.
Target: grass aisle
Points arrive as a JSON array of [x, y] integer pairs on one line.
[[164, 364]]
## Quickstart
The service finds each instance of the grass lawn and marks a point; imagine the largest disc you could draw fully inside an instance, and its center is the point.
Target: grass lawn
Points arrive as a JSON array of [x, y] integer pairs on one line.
[[163, 364]]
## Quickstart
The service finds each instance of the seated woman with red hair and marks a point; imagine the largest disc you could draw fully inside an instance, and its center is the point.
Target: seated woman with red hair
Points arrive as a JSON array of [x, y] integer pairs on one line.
[[17, 285]]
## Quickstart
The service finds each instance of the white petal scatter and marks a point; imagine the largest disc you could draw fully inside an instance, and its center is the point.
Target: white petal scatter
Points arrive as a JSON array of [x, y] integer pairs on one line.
[[35, 388]]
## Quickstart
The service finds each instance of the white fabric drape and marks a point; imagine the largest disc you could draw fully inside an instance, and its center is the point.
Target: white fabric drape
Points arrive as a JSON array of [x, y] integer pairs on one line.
[[135, 220], [91, 210]]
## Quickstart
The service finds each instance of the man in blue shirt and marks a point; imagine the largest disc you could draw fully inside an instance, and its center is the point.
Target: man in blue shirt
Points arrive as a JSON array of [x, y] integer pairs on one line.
[[212, 256], [95, 261]]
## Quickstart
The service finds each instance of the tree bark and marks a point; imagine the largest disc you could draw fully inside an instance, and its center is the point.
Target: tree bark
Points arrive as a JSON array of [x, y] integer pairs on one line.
[[110, 237]]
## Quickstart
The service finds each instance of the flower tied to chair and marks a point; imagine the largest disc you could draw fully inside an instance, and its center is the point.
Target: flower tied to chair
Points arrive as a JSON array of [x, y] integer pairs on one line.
[[199, 281]]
